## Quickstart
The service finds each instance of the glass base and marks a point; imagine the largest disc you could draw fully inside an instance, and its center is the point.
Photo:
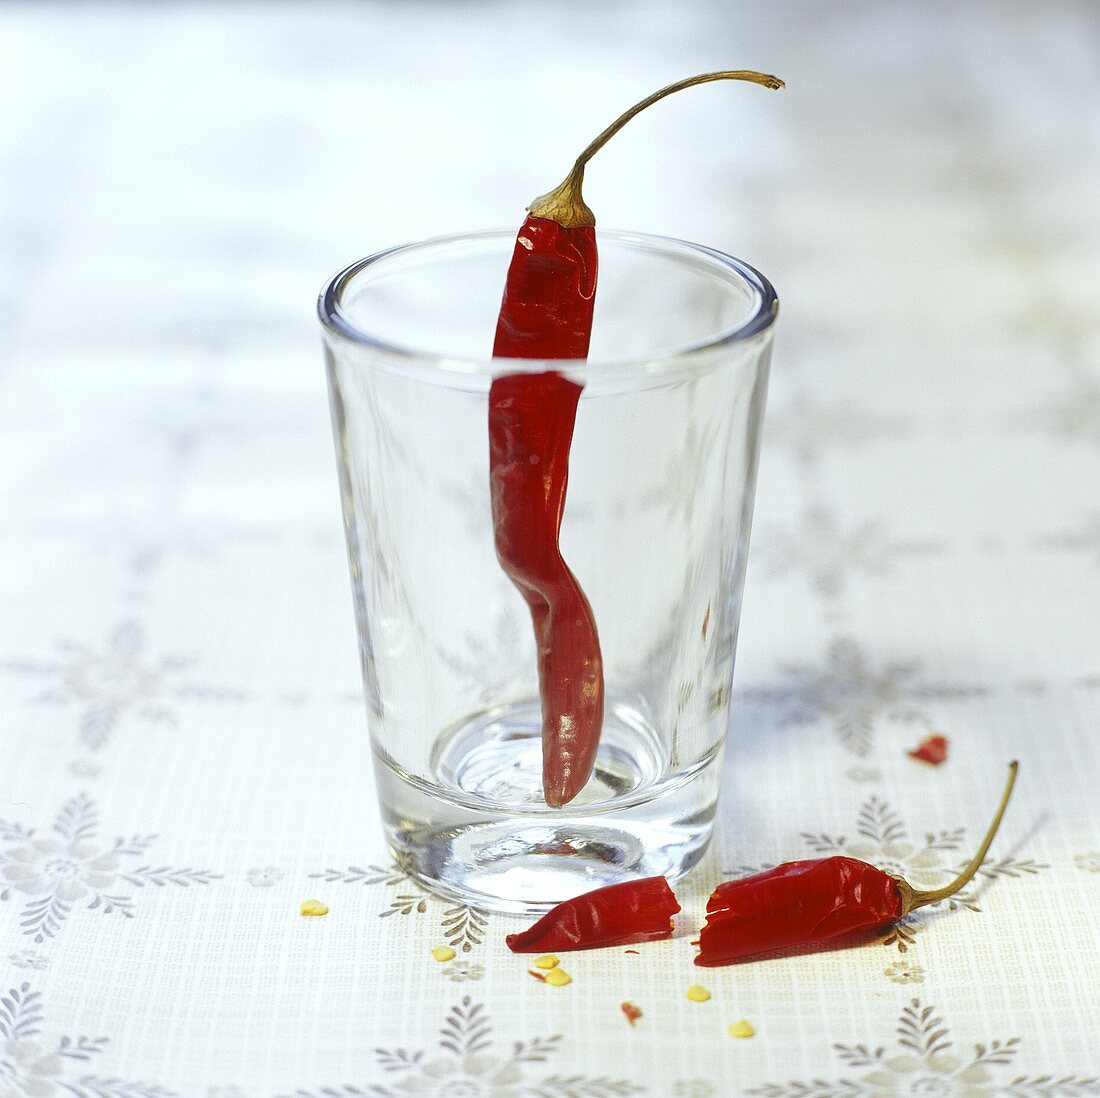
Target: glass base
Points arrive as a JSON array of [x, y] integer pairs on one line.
[[484, 836]]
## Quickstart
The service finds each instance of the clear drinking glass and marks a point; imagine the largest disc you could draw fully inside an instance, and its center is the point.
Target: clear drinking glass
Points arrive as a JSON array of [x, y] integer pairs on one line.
[[656, 528]]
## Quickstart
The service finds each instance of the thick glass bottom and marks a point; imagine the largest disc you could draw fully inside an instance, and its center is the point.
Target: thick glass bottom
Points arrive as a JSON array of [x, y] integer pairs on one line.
[[482, 834]]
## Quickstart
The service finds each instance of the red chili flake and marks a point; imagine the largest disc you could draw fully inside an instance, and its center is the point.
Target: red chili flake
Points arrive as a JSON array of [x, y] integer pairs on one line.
[[634, 951], [546, 313], [932, 750], [632, 1013], [812, 901], [633, 911], [537, 975]]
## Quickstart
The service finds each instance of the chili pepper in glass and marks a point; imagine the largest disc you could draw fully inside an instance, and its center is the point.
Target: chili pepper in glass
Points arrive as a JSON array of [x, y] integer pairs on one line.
[[546, 314], [661, 476], [805, 903]]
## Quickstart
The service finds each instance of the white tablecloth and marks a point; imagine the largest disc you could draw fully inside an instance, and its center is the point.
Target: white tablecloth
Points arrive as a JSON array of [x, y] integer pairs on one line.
[[183, 756]]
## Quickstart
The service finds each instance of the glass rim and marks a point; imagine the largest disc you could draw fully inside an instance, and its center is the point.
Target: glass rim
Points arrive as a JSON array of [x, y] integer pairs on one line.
[[759, 319]]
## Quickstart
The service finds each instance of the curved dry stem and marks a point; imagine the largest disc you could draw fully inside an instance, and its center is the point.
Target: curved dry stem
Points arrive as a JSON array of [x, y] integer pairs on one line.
[[912, 898], [565, 205]]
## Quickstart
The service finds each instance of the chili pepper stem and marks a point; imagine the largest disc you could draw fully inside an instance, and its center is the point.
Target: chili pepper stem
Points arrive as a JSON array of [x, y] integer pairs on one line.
[[912, 898], [564, 203]]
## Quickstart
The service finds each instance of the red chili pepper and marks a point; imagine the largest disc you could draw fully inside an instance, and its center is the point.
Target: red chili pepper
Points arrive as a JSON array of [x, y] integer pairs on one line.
[[801, 903], [932, 750], [547, 314], [634, 911]]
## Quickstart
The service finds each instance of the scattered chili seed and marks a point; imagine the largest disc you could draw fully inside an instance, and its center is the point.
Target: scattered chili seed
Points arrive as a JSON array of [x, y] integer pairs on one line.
[[698, 994], [558, 977], [443, 953], [547, 960], [632, 1013], [932, 750], [741, 1029], [537, 975], [313, 907]]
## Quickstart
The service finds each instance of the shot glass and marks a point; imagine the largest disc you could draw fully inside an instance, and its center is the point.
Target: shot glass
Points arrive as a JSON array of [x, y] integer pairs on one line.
[[656, 529]]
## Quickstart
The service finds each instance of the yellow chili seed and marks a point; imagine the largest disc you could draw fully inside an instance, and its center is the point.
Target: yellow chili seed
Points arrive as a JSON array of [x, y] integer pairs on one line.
[[547, 960], [443, 953], [741, 1029], [313, 907], [698, 994], [558, 977]]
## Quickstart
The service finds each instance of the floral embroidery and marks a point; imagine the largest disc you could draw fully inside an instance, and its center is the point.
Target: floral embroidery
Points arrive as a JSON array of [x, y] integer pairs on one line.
[[119, 678], [29, 958], [853, 695], [829, 553], [1076, 419], [925, 1064], [1089, 862], [33, 1068], [463, 926], [84, 768], [904, 972], [266, 877], [863, 773], [469, 1067], [694, 1088], [59, 870], [1085, 539], [461, 971]]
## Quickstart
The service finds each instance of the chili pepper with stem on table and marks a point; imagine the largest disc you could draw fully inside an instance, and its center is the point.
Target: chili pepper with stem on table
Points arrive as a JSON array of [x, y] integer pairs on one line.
[[800, 903], [546, 313]]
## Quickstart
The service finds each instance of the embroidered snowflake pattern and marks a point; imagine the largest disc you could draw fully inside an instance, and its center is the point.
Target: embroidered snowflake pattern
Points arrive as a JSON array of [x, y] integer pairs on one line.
[[67, 867], [830, 553], [854, 695], [35, 1067], [120, 678], [924, 1063], [469, 1064]]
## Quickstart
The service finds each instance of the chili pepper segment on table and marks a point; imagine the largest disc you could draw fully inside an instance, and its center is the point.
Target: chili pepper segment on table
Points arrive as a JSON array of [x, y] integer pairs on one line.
[[632, 911], [793, 905], [808, 902], [546, 313]]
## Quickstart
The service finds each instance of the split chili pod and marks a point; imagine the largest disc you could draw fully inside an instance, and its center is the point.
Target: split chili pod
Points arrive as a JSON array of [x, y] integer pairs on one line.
[[801, 903], [633, 911], [546, 313]]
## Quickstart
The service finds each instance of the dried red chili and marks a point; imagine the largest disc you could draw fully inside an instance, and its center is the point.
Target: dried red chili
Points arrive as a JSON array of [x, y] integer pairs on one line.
[[932, 750], [801, 903], [633, 911], [546, 313]]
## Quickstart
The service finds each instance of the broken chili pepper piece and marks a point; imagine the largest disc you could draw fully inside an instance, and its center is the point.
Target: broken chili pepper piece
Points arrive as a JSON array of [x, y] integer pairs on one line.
[[633, 911], [932, 750], [801, 903], [632, 1013], [546, 313]]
